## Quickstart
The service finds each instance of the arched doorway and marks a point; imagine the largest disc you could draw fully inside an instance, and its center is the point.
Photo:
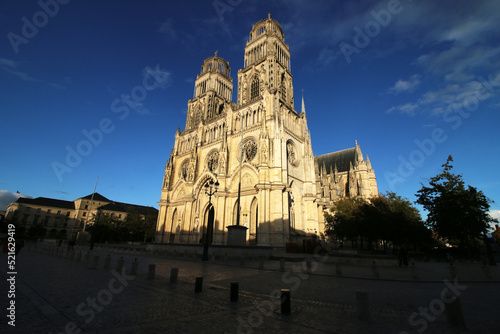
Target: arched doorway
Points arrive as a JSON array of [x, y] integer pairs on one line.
[[208, 225], [254, 222], [174, 224]]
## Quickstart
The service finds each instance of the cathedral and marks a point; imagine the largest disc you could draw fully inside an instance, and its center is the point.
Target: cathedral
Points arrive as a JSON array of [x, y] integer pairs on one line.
[[256, 152]]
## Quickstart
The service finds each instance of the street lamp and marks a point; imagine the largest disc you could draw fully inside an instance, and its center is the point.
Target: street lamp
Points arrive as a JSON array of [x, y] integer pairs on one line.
[[210, 190]]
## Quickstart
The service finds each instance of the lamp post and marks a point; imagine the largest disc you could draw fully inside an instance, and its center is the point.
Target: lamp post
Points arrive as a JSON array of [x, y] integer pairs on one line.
[[210, 190]]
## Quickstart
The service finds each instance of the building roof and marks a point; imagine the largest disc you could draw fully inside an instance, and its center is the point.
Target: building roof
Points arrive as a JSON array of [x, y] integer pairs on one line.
[[341, 159], [125, 207], [44, 201], [97, 197]]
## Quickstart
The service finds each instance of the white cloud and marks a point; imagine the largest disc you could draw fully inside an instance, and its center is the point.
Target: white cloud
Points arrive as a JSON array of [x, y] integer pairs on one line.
[[495, 214], [167, 29], [407, 108], [6, 197], [406, 85]]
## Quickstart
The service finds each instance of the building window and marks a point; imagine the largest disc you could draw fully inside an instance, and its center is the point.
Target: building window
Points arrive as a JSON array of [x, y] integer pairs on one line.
[[45, 221], [49, 210], [84, 214], [35, 221], [120, 215], [254, 89], [86, 206], [58, 212], [67, 214]]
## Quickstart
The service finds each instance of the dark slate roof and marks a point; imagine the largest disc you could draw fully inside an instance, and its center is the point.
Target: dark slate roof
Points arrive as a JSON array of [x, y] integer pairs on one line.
[[97, 197], [341, 158], [43, 201], [123, 207]]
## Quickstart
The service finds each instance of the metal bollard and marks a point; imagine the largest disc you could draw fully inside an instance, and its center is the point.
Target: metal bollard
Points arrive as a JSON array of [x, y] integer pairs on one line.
[[487, 271], [362, 305], [174, 272], [133, 267], [151, 271], [198, 285], [285, 302], [234, 292], [95, 262], [107, 262], [375, 271], [78, 256], [453, 272], [119, 265], [454, 312]]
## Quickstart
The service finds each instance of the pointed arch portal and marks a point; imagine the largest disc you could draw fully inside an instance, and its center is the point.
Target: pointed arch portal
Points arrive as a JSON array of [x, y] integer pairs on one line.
[[208, 225]]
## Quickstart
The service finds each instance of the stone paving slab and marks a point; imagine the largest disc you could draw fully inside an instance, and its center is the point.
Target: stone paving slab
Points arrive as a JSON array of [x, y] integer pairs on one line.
[[52, 288]]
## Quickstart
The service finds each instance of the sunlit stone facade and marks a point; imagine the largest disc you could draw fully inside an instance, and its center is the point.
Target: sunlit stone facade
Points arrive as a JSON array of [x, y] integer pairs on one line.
[[284, 188]]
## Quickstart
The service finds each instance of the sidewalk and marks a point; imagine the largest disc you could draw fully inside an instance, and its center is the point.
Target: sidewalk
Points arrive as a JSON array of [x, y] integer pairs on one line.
[[54, 293]]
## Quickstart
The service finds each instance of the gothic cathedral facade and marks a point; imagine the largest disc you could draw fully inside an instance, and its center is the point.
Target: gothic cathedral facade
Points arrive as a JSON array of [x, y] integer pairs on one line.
[[259, 144]]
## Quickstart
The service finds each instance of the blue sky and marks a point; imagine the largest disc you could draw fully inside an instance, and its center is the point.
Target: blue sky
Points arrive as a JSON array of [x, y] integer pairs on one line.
[[411, 81]]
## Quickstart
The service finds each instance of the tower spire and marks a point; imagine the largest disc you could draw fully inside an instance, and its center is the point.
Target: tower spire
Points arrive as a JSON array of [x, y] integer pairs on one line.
[[303, 104]]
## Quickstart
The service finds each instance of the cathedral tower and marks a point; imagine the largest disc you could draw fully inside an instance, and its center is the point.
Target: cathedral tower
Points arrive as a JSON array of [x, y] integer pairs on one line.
[[260, 144]]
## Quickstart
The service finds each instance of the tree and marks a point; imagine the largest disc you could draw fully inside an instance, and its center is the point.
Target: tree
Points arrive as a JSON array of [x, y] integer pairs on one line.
[[345, 220], [457, 213], [385, 219]]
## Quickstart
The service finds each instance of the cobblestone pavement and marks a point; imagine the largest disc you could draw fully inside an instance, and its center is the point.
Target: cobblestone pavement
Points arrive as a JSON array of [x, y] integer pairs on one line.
[[55, 293]]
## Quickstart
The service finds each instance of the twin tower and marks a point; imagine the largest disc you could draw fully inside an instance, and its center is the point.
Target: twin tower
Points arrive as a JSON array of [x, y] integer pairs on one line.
[[260, 144]]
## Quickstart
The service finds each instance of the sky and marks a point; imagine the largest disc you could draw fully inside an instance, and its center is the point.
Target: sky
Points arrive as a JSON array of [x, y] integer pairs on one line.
[[97, 89]]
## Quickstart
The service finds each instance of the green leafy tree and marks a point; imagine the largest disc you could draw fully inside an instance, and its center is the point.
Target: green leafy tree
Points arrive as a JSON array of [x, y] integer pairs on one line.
[[103, 228], [457, 213], [344, 221]]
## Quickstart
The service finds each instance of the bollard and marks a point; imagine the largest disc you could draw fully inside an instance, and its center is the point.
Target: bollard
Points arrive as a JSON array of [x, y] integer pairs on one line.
[[78, 256], [308, 266], [454, 312], [453, 272], [95, 262], [174, 272], [151, 271], [338, 269], [198, 285], [285, 301], [107, 262], [234, 292], [362, 305], [375, 271], [487, 271], [414, 273], [119, 265], [282, 264], [133, 267]]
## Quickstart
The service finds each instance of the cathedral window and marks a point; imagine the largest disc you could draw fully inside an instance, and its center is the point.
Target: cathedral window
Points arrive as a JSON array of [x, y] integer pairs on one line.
[[213, 161], [254, 89]]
